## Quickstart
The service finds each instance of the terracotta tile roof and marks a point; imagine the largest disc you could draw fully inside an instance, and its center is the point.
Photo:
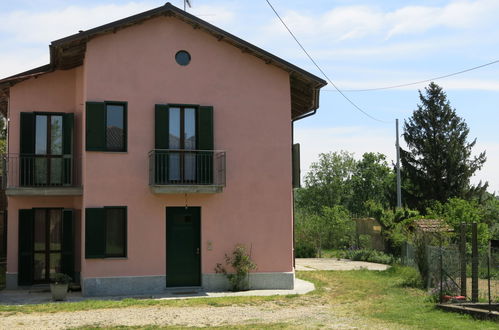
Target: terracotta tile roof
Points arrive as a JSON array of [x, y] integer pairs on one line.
[[432, 225]]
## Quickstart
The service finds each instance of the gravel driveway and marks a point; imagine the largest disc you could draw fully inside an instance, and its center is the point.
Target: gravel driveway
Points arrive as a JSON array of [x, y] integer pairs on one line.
[[300, 316], [308, 312], [336, 264]]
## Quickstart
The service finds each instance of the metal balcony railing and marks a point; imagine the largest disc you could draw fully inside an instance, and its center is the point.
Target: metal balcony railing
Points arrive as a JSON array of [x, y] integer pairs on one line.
[[23, 170], [186, 167]]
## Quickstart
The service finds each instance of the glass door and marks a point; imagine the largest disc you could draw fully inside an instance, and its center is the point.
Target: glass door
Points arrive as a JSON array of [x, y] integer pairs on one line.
[[182, 140], [48, 150], [47, 247]]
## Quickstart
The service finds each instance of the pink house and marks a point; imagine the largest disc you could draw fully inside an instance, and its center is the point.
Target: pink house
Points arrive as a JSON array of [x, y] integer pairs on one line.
[[146, 150]]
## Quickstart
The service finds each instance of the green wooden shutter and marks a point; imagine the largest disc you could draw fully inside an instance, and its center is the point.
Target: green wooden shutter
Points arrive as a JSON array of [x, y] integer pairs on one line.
[[295, 155], [27, 133], [95, 233], [27, 149], [205, 128], [161, 141], [161, 124], [26, 227], [67, 148], [205, 142], [67, 255], [95, 126]]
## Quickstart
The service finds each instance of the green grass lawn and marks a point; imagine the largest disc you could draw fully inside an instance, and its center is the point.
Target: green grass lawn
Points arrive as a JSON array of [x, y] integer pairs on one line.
[[374, 298]]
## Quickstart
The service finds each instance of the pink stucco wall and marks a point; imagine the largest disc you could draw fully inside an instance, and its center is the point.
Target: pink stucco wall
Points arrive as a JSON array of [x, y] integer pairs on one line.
[[252, 124], [54, 92]]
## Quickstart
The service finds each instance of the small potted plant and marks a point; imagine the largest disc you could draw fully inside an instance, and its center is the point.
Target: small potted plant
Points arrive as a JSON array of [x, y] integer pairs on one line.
[[59, 286]]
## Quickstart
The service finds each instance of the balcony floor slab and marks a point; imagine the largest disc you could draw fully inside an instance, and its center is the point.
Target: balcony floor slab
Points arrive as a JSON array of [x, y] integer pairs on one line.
[[44, 191], [186, 189]]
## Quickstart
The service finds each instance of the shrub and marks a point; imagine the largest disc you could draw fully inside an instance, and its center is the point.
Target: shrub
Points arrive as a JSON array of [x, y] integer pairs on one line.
[[242, 264], [370, 256], [365, 241], [409, 276], [304, 250]]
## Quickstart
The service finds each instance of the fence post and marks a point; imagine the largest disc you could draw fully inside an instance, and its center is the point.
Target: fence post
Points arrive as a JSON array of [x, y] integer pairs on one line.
[[441, 271], [462, 258], [488, 277], [474, 262]]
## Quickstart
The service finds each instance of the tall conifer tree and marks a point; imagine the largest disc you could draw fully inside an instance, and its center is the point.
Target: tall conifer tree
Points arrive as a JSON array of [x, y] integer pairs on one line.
[[438, 164]]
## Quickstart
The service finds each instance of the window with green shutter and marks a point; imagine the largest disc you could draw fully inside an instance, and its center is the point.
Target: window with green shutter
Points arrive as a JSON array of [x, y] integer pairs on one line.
[[106, 232], [106, 126], [46, 149], [183, 144]]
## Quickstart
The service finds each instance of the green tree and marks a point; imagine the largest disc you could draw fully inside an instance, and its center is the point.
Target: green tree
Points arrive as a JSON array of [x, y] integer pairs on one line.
[[457, 211], [328, 183], [438, 164], [333, 228], [373, 181]]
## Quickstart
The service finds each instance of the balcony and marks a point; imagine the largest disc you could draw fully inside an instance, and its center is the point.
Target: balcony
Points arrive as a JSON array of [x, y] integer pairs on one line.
[[41, 175], [186, 171]]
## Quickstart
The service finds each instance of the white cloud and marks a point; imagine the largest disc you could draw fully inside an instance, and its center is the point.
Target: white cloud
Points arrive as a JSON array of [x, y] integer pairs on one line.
[[47, 26], [19, 60], [214, 14], [490, 170], [351, 22]]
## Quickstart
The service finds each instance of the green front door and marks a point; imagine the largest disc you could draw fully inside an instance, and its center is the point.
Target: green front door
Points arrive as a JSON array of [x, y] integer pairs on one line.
[[183, 238]]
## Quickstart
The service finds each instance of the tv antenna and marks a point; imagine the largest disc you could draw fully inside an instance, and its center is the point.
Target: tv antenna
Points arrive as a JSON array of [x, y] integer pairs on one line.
[[187, 3]]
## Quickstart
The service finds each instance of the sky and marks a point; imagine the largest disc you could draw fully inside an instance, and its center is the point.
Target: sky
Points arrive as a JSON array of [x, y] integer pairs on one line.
[[359, 44]]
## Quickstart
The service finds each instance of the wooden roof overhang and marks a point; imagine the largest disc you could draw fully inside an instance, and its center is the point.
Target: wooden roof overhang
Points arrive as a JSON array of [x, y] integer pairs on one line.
[[69, 52]]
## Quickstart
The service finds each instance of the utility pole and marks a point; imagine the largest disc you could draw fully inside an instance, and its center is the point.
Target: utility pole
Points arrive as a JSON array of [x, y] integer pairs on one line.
[[399, 190]]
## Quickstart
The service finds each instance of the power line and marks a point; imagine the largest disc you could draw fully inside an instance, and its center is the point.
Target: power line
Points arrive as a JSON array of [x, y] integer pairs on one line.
[[319, 68], [417, 82]]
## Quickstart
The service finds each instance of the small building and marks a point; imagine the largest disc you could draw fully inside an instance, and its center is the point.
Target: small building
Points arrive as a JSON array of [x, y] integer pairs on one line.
[[372, 228]]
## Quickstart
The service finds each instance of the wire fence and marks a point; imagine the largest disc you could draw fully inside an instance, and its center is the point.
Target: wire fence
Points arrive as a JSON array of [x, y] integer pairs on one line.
[[453, 276]]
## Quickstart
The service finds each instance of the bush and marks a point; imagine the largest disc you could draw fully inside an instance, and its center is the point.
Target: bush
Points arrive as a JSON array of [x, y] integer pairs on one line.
[[304, 250], [241, 264], [365, 241], [370, 256], [409, 276]]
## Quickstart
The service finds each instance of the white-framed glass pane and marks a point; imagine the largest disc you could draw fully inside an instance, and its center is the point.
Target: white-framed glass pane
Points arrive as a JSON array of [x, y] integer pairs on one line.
[[41, 169], [174, 128], [56, 135], [115, 127], [190, 167], [56, 170], [39, 234], [41, 135], [190, 128], [174, 167], [55, 229], [115, 232], [39, 267]]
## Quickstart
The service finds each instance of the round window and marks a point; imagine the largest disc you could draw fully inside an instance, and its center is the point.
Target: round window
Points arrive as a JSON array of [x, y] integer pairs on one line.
[[182, 57]]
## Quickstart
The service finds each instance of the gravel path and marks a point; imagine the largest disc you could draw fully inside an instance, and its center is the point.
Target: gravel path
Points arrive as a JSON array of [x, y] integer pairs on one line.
[[186, 316], [336, 264]]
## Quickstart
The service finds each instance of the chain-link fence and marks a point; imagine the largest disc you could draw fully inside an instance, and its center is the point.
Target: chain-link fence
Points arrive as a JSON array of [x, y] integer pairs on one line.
[[453, 273]]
